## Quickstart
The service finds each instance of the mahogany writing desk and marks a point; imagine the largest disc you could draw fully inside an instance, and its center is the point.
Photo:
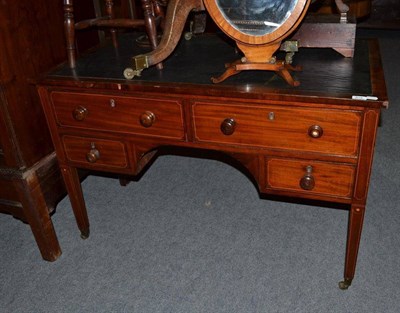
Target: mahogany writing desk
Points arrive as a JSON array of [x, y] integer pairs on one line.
[[315, 141]]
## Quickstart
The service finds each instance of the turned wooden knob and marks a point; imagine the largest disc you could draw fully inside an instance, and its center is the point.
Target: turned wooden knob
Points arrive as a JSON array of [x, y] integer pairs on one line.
[[147, 119], [79, 113], [93, 155], [307, 182], [315, 131], [228, 126]]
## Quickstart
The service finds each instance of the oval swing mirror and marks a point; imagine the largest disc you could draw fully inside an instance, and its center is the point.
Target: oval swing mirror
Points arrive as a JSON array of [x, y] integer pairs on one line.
[[258, 27], [257, 21], [256, 17]]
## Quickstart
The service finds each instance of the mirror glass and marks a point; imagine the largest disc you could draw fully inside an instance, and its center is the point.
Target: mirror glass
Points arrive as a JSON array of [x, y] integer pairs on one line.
[[256, 17]]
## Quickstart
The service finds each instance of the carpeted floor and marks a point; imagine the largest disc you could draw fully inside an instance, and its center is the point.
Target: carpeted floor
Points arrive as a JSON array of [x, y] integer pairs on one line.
[[158, 246]]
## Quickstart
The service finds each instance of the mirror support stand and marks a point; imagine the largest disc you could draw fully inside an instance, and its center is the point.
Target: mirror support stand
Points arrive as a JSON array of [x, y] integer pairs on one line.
[[260, 57]]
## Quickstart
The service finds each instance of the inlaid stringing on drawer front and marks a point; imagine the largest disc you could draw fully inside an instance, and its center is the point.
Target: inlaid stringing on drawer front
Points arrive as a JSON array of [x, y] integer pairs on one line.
[[322, 178], [316, 130], [143, 116], [95, 152]]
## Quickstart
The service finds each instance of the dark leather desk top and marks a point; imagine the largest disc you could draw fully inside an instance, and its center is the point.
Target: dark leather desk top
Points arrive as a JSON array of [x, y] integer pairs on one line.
[[325, 72]]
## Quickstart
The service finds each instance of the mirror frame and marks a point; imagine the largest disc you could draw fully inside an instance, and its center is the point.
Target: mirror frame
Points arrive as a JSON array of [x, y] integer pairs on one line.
[[284, 30]]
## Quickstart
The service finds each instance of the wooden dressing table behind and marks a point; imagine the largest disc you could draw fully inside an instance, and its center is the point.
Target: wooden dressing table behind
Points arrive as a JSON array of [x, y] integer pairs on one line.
[[311, 142]]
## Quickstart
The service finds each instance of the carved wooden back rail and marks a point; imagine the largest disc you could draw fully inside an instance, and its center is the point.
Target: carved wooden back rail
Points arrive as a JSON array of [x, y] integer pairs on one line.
[[153, 11]]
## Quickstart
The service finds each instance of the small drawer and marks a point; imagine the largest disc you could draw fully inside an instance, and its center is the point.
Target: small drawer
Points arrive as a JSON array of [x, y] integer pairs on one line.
[[313, 177], [95, 153], [327, 131], [142, 116]]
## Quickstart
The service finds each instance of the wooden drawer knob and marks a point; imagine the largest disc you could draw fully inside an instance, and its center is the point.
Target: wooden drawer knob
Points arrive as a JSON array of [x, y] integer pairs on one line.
[[93, 155], [228, 126], [315, 131], [80, 113], [147, 119], [307, 182]]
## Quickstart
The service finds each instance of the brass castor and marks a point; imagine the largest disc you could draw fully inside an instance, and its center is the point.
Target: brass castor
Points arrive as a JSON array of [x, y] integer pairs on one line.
[[188, 35], [345, 284], [85, 234], [130, 73]]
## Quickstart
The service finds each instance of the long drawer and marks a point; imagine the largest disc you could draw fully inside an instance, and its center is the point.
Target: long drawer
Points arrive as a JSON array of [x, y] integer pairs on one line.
[[310, 177], [143, 116], [316, 130]]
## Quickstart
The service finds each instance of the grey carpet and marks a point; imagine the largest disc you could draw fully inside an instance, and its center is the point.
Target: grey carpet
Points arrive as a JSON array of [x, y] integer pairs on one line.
[[192, 235]]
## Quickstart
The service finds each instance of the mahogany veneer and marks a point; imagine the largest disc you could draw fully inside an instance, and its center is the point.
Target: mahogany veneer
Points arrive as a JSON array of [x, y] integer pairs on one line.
[[311, 142]]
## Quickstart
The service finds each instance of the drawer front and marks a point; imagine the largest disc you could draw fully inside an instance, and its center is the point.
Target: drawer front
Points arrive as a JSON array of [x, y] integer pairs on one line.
[[143, 116], [320, 178], [315, 130], [95, 153]]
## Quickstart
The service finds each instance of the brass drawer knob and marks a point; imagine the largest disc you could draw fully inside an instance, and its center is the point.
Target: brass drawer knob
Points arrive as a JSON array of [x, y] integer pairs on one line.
[[228, 126], [93, 155], [315, 131], [79, 113], [307, 182], [147, 119]]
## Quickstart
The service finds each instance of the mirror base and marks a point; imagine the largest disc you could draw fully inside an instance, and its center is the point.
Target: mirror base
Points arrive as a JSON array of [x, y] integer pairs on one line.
[[279, 67]]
